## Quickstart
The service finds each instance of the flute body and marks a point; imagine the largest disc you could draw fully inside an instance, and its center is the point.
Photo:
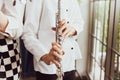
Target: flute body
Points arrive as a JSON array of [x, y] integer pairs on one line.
[[59, 39]]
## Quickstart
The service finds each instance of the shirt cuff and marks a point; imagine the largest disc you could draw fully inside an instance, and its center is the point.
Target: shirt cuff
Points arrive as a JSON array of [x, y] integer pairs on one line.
[[38, 53], [4, 34], [14, 27], [12, 24], [78, 29], [38, 56]]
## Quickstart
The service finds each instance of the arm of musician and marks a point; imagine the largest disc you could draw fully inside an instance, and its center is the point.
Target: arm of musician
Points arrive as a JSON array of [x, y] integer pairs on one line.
[[76, 20], [55, 52]]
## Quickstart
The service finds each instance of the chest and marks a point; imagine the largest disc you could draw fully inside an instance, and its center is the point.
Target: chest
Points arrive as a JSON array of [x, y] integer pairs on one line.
[[52, 6], [6, 3]]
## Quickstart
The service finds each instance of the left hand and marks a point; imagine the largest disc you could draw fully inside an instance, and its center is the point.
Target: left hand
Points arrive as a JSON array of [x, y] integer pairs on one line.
[[65, 29], [54, 55]]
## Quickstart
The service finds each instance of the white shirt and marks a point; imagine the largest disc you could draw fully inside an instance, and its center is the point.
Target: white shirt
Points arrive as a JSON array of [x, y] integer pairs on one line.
[[38, 34], [14, 13]]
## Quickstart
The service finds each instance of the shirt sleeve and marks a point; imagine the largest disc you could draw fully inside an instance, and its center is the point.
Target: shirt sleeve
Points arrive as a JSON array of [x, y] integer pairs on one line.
[[77, 20], [14, 13], [31, 27]]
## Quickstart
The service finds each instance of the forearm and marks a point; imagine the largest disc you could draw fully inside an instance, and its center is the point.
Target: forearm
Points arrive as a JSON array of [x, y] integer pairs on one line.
[[3, 22]]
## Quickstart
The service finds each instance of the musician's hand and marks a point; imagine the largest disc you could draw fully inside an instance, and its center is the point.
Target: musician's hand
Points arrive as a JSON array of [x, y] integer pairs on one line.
[[3, 22], [54, 55], [65, 29]]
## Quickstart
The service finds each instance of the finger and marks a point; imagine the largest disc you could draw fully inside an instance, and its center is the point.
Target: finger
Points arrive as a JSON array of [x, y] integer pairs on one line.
[[66, 32], [63, 52], [61, 23], [53, 28], [56, 63], [56, 44], [58, 50], [62, 29], [48, 63], [59, 57], [69, 33], [57, 47], [46, 59]]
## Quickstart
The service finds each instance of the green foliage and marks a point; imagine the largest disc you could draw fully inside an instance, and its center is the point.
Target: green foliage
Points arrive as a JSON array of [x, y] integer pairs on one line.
[[79, 1], [118, 36]]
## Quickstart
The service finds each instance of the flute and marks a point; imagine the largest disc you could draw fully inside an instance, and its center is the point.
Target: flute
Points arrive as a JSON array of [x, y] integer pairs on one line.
[[59, 39]]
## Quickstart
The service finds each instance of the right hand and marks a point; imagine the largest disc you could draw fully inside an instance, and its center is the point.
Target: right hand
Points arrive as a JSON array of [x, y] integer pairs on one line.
[[54, 55]]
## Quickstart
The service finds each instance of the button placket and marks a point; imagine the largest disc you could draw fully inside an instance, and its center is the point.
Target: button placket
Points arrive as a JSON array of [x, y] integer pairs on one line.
[[66, 10]]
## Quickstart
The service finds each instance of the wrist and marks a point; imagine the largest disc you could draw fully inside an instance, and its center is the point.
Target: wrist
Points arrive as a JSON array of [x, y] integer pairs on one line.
[[43, 57]]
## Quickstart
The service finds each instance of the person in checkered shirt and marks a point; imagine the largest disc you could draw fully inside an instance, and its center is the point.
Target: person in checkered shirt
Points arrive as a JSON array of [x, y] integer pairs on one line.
[[11, 12]]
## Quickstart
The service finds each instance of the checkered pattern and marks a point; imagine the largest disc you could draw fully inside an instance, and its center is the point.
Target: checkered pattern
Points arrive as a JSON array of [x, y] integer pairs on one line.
[[9, 60]]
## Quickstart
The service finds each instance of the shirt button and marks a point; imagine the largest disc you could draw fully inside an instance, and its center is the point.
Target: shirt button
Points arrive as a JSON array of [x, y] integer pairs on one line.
[[71, 48], [14, 3], [76, 40], [66, 10], [68, 22]]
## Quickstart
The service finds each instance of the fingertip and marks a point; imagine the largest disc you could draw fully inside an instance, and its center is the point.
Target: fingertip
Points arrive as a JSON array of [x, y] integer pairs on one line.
[[53, 28], [63, 52], [53, 43], [56, 63]]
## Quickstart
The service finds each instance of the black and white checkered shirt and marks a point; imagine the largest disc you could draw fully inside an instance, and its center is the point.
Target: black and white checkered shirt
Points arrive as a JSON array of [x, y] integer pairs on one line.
[[9, 59]]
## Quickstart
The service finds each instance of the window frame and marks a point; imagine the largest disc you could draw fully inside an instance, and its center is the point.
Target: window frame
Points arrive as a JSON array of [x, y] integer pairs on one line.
[[111, 38]]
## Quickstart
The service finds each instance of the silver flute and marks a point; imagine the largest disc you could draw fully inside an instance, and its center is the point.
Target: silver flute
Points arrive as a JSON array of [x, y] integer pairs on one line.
[[59, 39]]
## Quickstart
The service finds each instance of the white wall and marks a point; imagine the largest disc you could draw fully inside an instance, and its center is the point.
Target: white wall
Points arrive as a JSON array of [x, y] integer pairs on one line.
[[83, 38]]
